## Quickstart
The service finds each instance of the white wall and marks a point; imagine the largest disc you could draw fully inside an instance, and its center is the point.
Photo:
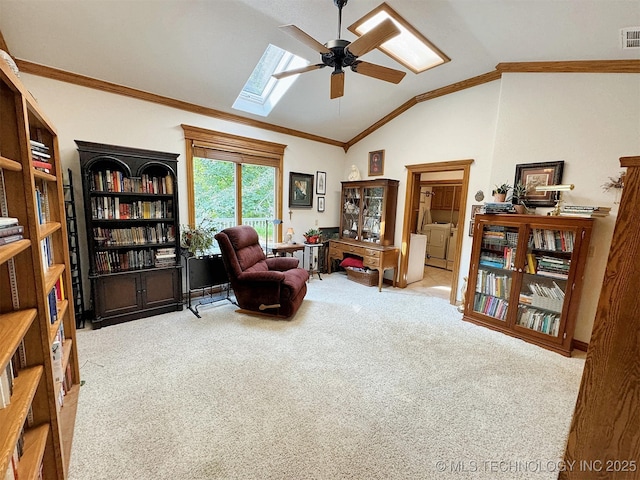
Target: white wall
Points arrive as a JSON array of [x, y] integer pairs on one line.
[[587, 120], [80, 113]]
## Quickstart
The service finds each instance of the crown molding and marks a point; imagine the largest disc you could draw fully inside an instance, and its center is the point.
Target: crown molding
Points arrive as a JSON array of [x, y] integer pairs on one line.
[[579, 66]]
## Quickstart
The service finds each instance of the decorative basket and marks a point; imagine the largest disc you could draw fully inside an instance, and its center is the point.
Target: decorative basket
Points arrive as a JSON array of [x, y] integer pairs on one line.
[[368, 277]]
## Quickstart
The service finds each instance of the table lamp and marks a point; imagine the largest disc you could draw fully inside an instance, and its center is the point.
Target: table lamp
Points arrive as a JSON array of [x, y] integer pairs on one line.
[[558, 189], [289, 235]]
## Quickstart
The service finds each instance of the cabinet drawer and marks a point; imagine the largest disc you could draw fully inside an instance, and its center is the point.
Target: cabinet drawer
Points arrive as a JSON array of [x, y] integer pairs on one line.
[[354, 250], [335, 251], [372, 253], [371, 262]]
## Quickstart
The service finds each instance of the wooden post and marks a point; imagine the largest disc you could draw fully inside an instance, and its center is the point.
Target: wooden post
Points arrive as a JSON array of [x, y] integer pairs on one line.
[[604, 439]]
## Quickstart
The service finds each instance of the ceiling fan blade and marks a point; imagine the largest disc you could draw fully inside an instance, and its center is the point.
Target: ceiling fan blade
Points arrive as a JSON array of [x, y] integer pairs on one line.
[[373, 38], [337, 84], [305, 38], [296, 71], [378, 71]]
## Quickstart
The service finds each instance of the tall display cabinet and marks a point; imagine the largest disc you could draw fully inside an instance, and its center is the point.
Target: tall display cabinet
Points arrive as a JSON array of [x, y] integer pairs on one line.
[[38, 357], [133, 229], [367, 225], [526, 274]]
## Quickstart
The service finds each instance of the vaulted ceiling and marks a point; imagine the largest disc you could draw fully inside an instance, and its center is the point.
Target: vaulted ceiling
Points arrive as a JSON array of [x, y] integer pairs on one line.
[[202, 52]]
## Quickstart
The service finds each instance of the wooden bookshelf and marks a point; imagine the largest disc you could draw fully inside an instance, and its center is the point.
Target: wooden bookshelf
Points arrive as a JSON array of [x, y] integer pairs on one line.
[[525, 276], [30, 269]]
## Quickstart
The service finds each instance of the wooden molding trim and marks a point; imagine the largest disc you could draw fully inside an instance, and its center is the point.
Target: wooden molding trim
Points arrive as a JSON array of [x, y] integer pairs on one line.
[[237, 144], [579, 345], [458, 86], [3, 44], [412, 194], [577, 66], [83, 81], [384, 120]]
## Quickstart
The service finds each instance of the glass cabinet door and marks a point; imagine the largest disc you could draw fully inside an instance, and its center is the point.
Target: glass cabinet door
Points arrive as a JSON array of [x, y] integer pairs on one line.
[[545, 280], [350, 218], [372, 213], [495, 270]]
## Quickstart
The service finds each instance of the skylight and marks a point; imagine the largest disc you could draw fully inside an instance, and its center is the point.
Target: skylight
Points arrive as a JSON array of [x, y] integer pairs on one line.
[[262, 92], [410, 48]]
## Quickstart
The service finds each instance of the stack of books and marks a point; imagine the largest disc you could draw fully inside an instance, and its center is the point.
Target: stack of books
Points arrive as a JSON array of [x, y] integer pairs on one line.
[[41, 157], [165, 257], [498, 207], [584, 211], [10, 231]]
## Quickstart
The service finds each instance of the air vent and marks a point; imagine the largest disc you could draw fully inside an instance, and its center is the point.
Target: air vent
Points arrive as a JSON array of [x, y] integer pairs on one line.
[[630, 37]]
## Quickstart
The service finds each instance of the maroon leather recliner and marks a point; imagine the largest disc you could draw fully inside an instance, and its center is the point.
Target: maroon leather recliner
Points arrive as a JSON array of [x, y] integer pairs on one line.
[[273, 286]]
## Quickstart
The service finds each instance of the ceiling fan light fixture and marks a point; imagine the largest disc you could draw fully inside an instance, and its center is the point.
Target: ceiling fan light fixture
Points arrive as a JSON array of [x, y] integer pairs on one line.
[[410, 48]]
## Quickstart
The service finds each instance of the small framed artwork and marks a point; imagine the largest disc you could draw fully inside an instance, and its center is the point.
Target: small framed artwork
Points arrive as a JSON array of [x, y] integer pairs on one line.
[[376, 163], [300, 190], [321, 183], [474, 209], [532, 175], [321, 204]]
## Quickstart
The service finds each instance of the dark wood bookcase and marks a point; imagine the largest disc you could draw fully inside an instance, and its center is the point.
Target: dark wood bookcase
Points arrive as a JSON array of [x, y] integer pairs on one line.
[[526, 274], [38, 349], [133, 230]]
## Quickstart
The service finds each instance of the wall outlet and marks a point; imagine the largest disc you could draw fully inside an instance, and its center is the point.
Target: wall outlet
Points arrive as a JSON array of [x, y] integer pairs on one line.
[[316, 222]]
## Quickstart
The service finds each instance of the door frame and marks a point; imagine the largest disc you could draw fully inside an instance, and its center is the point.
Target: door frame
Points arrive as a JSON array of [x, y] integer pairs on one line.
[[412, 206]]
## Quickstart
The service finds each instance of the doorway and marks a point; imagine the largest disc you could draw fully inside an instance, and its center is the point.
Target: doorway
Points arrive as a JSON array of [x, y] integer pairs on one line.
[[458, 171]]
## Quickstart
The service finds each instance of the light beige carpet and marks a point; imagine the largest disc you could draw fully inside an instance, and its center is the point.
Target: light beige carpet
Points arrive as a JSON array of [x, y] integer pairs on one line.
[[360, 385]]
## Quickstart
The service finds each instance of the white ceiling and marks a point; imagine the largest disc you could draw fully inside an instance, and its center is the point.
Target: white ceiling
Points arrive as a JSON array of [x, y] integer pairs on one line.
[[202, 52]]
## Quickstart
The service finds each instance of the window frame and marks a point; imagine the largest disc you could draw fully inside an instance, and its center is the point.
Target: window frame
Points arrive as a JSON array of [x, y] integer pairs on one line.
[[237, 149]]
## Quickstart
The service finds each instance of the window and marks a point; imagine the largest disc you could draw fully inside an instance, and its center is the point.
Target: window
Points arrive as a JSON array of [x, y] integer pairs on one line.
[[234, 180], [262, 92]]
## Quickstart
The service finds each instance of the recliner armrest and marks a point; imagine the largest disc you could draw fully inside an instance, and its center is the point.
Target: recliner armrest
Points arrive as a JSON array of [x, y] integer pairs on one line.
[[266, 276], [282, 263]]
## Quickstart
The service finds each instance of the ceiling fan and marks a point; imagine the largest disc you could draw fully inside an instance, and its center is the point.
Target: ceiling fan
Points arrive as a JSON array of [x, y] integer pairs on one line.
[[340, 53]]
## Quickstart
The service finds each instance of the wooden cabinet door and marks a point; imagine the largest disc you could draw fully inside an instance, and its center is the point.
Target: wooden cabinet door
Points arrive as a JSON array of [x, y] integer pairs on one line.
[[160, 288], [118, 294]]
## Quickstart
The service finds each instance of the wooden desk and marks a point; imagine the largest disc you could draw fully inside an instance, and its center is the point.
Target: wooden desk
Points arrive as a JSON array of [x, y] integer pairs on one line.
[[374, 256], [283, 248]]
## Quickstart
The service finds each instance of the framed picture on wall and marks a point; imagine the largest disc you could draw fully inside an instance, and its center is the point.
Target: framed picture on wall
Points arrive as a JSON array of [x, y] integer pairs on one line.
[[321, 204], [300, 190], [321, 183], [376, 163], [532, 175], [474, 209]]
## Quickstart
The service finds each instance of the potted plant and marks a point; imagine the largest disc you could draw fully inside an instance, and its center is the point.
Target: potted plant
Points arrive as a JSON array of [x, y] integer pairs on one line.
[[197, 239], [312, 236], [500, 192], [517, 197]]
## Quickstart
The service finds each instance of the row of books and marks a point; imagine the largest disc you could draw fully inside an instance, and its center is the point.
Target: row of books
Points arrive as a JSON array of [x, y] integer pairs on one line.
[[158, 233], [553, 267], [42, 202], [544, 296], [118, 261], [538, 320], [47, 252], [8, 376], [491, 283], [504, 260], [552, 240], [55, 296], [116, 181], [110, 208], [585, 211], [490, 305], [10, 230]]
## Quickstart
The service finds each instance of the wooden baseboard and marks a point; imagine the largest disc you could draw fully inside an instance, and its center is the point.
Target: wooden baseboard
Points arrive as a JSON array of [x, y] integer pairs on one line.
[[578, 345]]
